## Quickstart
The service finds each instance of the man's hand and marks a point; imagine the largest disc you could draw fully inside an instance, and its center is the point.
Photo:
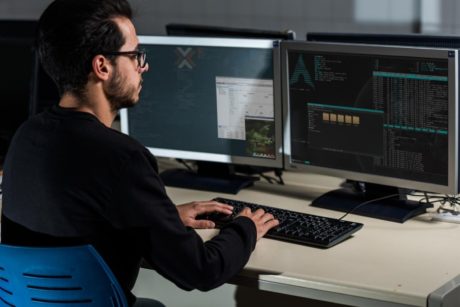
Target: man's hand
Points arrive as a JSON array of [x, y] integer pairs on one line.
[[188, 212], [263, 221]]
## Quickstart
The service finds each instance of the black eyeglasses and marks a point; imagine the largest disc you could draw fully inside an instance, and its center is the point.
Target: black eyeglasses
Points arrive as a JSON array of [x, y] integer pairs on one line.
[[140, 55]]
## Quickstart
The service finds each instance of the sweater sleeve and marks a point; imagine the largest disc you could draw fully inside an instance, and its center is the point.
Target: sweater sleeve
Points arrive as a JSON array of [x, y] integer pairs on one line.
[[177, 252]]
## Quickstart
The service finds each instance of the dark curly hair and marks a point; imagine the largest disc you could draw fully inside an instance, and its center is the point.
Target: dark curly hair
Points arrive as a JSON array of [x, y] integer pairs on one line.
[[72, 32]]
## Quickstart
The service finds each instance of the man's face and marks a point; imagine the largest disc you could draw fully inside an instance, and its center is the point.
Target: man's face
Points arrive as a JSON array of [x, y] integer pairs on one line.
[[124, 86], [121, 92]]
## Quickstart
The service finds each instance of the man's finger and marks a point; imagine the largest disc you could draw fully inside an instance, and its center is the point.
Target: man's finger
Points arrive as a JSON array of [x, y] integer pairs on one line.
[[267, 217], [259, 213], [203, 224], [214, 208], [272, 223]]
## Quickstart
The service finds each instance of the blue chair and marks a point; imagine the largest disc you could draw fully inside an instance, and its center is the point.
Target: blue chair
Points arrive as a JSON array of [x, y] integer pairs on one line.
[[57, 276]]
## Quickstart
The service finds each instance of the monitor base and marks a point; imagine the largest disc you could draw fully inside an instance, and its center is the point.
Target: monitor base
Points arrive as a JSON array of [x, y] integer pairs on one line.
[[182, 178], [391, 209]]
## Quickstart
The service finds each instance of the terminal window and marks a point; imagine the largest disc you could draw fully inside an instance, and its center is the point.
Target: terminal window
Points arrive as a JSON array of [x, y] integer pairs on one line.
[[386, 115]]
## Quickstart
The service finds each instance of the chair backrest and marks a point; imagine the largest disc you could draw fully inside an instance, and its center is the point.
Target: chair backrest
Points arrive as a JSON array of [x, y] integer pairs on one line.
[[57, 276]]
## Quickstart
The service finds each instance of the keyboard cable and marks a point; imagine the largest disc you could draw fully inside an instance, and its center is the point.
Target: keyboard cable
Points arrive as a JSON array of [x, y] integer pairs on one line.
[[367, 202]]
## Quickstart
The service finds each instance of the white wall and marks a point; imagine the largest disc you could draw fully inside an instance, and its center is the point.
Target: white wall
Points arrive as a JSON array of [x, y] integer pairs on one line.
[[448, 18], [391, 16], [298, 15], [22, 9]]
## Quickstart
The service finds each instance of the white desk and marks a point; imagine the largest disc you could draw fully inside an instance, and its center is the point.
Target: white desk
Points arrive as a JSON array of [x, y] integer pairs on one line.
[[385, 264]]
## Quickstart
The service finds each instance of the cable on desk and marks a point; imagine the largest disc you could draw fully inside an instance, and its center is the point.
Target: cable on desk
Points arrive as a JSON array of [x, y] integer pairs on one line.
[[452, 201], [189, 168], [368, 202], [279, 174], [271, 179]]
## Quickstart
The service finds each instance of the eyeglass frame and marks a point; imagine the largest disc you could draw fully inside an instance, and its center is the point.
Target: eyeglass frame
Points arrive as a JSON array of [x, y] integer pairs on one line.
[[141, 56]]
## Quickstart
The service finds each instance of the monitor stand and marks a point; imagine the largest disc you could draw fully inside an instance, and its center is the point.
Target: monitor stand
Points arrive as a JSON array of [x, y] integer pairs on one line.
[[396, 209], [210, 176]]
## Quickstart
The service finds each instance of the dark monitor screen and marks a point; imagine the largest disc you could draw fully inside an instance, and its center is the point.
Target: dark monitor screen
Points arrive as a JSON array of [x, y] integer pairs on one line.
[[418, 40], [210, 100], [176, 29], [378, 114], [17, 62], [25, 88], [18, 29], [44, 91]]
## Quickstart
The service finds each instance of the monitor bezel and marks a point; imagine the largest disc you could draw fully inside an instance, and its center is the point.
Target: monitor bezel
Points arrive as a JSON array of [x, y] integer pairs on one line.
[[201, 30], [389, 39], [438, 53], [217, 157]]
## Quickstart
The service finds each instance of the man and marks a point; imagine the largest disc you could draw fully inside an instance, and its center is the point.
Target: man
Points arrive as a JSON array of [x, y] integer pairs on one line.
[[69, 179]]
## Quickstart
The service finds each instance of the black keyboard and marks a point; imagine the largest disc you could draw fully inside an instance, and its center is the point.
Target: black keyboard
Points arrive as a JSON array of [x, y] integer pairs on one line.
[[295, 227]]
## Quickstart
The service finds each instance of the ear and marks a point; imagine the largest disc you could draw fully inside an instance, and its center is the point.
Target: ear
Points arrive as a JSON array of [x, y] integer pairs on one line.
[[102, 67]]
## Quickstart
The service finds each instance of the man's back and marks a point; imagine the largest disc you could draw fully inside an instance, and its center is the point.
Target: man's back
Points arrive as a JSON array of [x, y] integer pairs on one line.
[[58, 185], [70, 180], [57, 160]]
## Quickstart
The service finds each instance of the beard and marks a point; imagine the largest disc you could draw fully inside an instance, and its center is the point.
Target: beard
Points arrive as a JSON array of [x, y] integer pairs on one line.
[[120, 93]]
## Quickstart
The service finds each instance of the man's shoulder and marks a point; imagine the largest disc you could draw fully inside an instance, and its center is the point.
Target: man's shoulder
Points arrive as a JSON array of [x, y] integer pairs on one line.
[[123, 141], [79, 133], [121, 146]]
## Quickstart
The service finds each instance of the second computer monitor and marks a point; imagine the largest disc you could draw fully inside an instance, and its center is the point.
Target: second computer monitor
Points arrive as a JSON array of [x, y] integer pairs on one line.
[[379, 114], [384, 117], [210, 100]]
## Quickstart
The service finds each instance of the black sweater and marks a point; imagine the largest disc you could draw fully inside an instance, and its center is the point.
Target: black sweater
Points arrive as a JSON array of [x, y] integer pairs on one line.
[[70, 180]]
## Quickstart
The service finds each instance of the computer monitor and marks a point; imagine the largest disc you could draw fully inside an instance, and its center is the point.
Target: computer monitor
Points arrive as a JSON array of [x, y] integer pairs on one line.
[[25, 88], [18, 29], [44, 92], [17, 61], [416, 40], [210, 100], [180, 29], [383, 116]]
